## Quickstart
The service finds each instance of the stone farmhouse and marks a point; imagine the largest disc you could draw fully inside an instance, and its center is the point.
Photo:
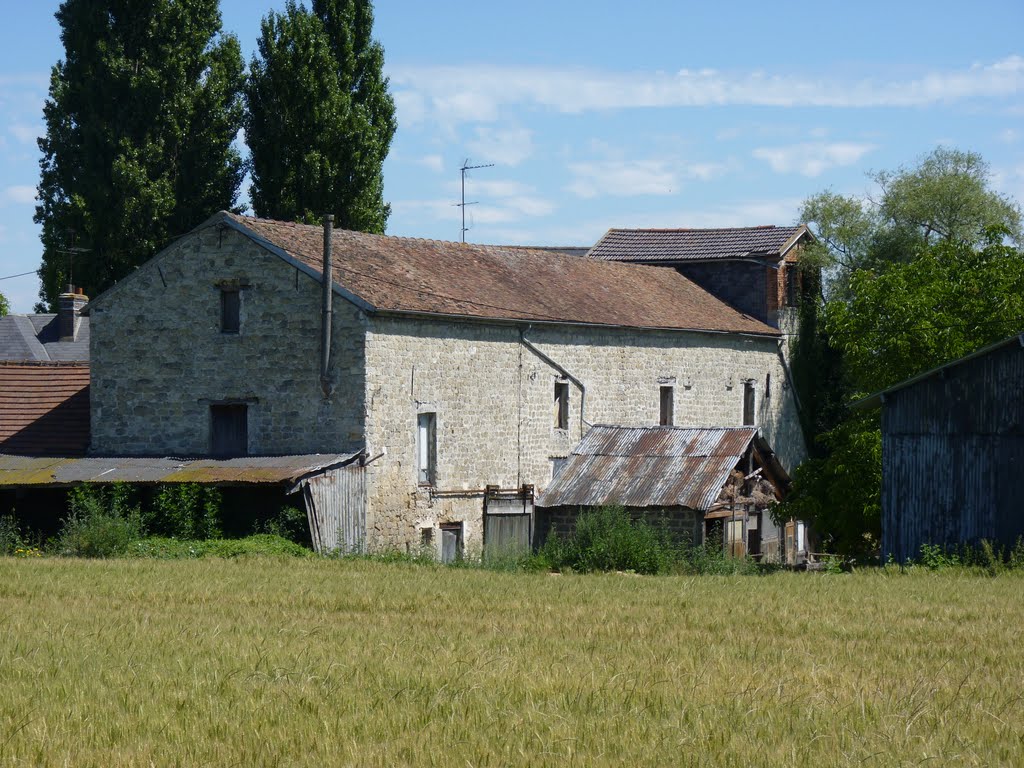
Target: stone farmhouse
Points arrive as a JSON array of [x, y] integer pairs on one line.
[[460, 377]]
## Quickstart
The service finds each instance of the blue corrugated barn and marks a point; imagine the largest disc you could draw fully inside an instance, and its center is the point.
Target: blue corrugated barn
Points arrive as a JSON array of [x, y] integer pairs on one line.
[[953, 453]]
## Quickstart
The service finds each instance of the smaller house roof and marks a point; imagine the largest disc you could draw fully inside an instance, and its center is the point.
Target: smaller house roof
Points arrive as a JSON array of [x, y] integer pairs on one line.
[[37, 337], [876, 399], [44, 408], [650, 467], [653, 246], [23, 471]]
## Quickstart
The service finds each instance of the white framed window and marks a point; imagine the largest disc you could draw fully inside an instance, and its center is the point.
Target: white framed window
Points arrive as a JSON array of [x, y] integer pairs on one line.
[[426, 448]]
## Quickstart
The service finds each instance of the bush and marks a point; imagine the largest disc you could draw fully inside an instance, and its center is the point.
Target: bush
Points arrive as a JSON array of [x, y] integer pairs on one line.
[[607, 539], [163, 548], [10, 535], [101, 522], [710, 559], [185, 511], [289, 523]]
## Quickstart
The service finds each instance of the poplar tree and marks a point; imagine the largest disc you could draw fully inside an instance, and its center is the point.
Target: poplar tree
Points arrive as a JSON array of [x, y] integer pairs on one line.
[[319, 118], [140, 120]]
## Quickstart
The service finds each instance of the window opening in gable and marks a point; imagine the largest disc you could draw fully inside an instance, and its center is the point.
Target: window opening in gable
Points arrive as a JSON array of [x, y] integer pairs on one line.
[[229, 430], [561, 403], [666, 414], [230, 310], [426, 448], [748, 403]]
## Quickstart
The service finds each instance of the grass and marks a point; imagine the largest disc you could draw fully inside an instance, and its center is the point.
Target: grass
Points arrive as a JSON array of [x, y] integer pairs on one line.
[[290, 662]]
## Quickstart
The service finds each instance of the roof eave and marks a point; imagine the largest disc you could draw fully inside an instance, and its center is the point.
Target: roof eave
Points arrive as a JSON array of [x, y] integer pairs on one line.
[[772, 334]]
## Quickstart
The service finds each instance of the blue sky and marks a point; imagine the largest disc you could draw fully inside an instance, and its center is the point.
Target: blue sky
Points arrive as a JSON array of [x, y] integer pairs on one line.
[[599, 114]]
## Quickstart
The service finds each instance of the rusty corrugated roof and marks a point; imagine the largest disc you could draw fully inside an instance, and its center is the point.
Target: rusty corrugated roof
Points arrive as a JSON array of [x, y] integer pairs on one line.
[[20, 471], [44, 408], [649, 467], [400, 274], [649, 246]]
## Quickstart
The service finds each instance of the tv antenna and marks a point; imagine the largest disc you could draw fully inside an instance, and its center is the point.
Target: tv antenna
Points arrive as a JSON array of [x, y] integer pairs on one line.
[[467, 167], [71, 251]]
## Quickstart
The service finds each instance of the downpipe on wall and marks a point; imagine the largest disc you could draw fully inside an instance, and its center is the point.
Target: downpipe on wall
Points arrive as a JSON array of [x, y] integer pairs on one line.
[[327, 312], [547, 359]]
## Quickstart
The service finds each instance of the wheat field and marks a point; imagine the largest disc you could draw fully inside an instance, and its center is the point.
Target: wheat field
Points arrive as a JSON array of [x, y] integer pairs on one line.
[[266, 662]]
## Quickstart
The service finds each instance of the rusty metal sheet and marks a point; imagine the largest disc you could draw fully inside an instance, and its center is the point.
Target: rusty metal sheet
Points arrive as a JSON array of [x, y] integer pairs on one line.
[[649, 467], [20, 471]]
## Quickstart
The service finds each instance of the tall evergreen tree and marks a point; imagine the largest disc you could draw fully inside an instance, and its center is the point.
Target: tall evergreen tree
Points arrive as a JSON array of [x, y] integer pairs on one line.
[[320, 119], [140, 120]]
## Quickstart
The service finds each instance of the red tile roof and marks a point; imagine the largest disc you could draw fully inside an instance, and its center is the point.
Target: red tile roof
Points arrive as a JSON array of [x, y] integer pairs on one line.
[[661, 245], [44, 408], [398, 274]]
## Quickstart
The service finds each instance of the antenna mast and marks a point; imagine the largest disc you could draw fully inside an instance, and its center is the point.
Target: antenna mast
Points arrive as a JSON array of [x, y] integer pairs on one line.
[[467, 167]]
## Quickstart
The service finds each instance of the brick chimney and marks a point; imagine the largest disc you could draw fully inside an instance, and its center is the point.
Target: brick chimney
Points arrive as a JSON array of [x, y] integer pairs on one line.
[[69, 307]]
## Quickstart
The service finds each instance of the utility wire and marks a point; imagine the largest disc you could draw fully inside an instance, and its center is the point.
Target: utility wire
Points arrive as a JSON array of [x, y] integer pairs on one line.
[[22, 274]]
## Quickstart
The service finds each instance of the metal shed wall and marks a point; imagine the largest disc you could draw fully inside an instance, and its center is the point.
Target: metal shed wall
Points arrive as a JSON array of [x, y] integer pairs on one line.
[[952, 454]]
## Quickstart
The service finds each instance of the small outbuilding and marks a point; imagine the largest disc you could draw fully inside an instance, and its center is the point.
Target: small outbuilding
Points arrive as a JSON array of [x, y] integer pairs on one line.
[[953, 453], [705, 484]]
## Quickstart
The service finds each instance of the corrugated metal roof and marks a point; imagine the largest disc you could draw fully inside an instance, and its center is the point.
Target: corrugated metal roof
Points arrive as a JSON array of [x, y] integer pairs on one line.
[[44, 408], [19, 471], [649, 467], [649, 246], [401, 274]]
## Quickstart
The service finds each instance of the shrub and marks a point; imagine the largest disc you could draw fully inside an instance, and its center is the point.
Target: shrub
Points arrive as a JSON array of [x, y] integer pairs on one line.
[[101, 522], [163, 548], [607, 539], [710, 559], [289, 523], [10, 535], [185, 511]]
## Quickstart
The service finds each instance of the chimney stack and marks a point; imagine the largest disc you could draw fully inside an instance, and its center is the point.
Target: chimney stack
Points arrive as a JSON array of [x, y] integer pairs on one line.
[[69, 307]]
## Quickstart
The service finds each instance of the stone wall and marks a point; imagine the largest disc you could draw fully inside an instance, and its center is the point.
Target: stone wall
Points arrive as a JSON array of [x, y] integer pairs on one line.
[[740, 284], [493, 399], [159, 359]]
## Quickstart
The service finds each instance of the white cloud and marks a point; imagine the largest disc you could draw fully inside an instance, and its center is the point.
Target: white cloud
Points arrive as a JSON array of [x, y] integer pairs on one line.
[[477, 93], [509, 146], [622, 178], [494, 202], [811, 159], [1009, 136], [25, 133], [433, 162], [20, 194]]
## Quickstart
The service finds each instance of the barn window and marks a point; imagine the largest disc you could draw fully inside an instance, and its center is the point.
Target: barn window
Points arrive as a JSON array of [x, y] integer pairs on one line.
[[451, 542], [666, 414], [748, 403], [561, 409], [230, 306], [229, 429], [426, 448]]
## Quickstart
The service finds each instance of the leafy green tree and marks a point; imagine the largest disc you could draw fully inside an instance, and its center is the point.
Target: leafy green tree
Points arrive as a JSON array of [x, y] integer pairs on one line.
[[320, 120], [947, 196], [140, 121], [4, 306]]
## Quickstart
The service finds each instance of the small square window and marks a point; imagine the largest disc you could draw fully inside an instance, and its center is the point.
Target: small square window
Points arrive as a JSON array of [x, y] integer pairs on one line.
[[426, 448], [229, 430], [666, 414], [230, 306], [561, 410]]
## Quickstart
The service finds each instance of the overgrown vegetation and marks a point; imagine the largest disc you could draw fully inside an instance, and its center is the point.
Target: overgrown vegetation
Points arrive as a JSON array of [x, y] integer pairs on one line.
[[608, 539]]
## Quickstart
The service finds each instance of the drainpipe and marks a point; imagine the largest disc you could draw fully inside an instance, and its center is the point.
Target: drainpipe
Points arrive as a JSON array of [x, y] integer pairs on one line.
[[327, 282], [583, 388]]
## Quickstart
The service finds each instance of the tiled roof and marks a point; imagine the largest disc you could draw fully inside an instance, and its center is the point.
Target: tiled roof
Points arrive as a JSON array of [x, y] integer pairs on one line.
[[397, 274], [648, 467], [44, 408], [37, 337], [650, 246]]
